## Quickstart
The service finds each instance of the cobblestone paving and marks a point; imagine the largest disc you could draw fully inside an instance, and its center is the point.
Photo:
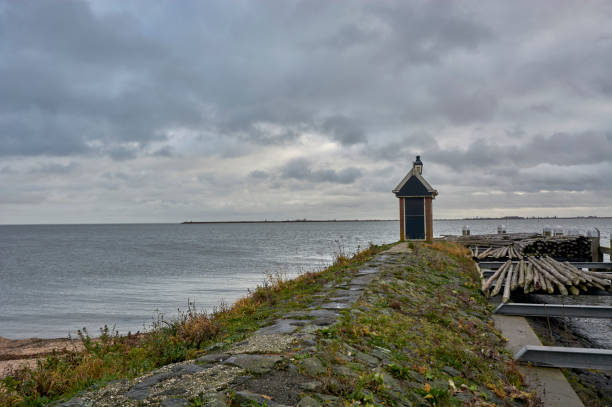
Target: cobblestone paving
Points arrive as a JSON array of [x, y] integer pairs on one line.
[[276, 366]]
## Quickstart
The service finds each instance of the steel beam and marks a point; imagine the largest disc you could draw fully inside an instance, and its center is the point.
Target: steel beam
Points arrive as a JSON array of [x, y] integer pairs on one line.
[[557, 356], [554, 310], [591, 264], [578, 264], [489, 273]]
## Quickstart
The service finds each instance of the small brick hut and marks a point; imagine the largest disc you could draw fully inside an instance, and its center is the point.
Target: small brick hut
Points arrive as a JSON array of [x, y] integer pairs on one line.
[[415, 196]]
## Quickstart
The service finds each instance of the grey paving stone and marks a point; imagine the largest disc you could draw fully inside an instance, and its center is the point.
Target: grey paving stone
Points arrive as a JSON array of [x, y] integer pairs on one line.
[[281, 326], [336, 305], [367, 359], [308, 402], [324, 321], [463, 396], [217, 400], [310, 386], [213, 358], [313, 366], [254, 363], [215, 347], [390, 381], [384, 355], [344, 371], [362, 280], [175, 403], [350, 296], [188, 368], [326, 397], [366, 271], [140, 391], [308, 339], [75, 402], [323, 313], [342, 356], [295, 314], [451, 371], [172, 391], [246, 397]]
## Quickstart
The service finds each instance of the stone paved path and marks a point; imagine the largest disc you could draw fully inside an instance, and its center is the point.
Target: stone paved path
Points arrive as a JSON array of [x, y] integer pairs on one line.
[[260, 369]]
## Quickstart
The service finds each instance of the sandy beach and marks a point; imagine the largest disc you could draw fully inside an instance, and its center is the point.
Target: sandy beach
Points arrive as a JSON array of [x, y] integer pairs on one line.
[[17, 353]]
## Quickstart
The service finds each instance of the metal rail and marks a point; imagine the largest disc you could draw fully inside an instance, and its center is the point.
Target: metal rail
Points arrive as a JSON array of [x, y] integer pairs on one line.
[[557, 356], [554, 310], [578, 264], [489, 273]]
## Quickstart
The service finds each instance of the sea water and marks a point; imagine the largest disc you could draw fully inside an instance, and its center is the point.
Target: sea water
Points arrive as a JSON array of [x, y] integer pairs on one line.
[[56, 279]]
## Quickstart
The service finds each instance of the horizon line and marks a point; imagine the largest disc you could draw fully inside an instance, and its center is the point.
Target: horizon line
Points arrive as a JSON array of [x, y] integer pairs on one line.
[[305, 221]]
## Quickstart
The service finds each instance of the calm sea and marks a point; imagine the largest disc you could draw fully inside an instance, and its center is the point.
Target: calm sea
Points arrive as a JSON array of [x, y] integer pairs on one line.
[[55, 279]]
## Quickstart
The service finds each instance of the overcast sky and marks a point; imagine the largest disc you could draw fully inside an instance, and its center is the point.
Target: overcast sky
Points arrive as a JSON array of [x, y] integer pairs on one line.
[[140, 111]]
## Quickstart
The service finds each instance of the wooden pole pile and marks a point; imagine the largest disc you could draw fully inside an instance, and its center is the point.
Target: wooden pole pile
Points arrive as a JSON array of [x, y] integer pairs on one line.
[[560, 247], [564, 247], [509, 252], [493, 240], [543, 274]]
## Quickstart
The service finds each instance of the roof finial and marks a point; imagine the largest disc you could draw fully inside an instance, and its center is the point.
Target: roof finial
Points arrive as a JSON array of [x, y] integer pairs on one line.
[[418, 165]]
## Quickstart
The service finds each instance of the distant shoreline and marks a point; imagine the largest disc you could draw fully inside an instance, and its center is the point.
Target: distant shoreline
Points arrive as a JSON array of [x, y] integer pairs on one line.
[[289, 221], [190, 222], [506, 218]]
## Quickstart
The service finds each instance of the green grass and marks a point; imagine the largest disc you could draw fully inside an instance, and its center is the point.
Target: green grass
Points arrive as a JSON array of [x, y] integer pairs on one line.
[[113, 356], [430, 315]]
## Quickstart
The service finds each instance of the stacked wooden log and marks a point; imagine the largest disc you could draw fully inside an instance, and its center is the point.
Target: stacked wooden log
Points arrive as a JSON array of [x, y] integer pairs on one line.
[[566, 247], [493, 240], [561, 247], [510, 252], [543, 274]]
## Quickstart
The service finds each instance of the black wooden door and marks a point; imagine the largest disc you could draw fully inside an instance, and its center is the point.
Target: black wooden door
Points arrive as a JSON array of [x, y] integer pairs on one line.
[[414, 217]]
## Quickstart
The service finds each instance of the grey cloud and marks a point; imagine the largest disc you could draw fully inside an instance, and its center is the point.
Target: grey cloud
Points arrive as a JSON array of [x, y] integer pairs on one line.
[[482, 91], [344, 130], [464, 105], [301, 169], [560, 149], [119, 152], [166, 151], [406, 148], [426, 32], [350, 35], [258, 174], [115, 77], [55, 168]]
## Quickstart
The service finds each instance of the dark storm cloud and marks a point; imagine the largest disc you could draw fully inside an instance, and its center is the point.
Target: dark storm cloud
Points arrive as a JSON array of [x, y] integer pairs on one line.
[[73, 82], [562, 149], [425, 32], [344, 130], [301, 169], [513, 96], [559, 149], [78, 81]]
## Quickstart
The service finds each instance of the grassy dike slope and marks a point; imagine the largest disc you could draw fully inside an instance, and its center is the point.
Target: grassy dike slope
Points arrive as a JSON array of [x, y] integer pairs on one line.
[[406, 326]]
